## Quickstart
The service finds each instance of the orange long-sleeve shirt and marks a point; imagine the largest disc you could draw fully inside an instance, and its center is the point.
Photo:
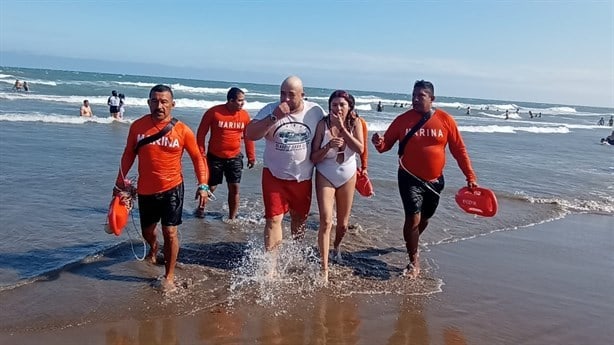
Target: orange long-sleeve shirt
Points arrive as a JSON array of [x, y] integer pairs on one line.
[[364, 156], [160, 162], [227, 130], [424, 154]]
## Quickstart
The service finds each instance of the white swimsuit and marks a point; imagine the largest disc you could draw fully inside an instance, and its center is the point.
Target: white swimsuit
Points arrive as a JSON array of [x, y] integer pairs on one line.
[[337, 173]]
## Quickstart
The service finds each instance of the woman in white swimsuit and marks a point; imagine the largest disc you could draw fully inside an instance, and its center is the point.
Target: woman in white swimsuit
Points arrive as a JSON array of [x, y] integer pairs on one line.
[[337, 140]]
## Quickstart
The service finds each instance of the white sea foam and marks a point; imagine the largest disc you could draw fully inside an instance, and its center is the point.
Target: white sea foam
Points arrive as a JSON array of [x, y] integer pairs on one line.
[[200, 90], [365, 107], [137, 84], [57, 118], [130, 101], [513, 129]]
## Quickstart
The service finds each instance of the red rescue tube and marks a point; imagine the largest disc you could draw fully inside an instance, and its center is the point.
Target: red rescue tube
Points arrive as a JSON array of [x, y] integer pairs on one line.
[[363, 184], [117, 216], [478, 200]]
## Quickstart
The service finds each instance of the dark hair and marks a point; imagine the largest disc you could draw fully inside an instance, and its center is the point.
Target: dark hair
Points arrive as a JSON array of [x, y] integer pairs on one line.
[[160, 88], [423, 84], [114, 93], [233, 93], [122, 96], [350, 120], [343, 94]]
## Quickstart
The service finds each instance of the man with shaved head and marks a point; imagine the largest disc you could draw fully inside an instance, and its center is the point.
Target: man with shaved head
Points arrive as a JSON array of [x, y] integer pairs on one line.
[[288, 126]]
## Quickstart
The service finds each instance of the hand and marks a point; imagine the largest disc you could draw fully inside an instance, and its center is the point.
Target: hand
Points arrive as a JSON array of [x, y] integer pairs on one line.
[[335, 120], [363, 170], [250, 164], [202, 196], [336, 142], [122, 185], [377, 140], [282, 110], [472, 184]]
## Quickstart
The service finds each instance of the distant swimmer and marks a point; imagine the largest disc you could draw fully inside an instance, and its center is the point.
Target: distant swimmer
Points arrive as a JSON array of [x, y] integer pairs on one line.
[[86, 111], [113, 103], [601, 121], [468, 110], [611, 122], [18, 85], [507, 114], [122, 105], [609, 139], [380, 107], [530, 114], [26, 87]]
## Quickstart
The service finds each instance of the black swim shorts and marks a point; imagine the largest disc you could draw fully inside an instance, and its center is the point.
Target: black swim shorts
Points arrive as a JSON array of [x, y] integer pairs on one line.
[[113, 109], [231, 168], [419, 196], [166, 207]]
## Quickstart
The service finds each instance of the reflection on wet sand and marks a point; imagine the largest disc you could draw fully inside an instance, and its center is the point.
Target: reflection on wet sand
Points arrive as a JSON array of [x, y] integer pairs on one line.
[[411, 327], [335, 320], [221, 325]]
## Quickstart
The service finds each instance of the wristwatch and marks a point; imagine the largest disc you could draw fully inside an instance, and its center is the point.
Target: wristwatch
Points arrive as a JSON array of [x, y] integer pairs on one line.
[[273, 117]]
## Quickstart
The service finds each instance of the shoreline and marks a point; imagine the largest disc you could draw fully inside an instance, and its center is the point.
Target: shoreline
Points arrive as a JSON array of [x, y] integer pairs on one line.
[[550, 283]]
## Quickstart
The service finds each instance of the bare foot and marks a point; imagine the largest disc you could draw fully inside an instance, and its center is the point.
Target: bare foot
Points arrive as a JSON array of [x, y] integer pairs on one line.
[[324, 277], [412, 271], [199, 212], [152, 256], [337, 255], [165, 285]]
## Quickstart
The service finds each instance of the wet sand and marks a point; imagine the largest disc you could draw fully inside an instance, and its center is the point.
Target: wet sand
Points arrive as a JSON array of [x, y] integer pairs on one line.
[[547, 284]]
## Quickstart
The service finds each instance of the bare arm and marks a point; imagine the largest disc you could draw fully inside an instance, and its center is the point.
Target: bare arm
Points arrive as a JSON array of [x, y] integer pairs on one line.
[[317, 152], [257, 129], [201, 133]]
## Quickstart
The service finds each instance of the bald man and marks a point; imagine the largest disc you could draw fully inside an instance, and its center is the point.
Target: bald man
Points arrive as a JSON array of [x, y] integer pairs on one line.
[[287, 126]]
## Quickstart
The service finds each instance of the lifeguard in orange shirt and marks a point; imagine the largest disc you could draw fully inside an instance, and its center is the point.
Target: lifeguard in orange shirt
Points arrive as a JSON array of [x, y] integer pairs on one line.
[[227, 123], [160, 183], [421, 163]]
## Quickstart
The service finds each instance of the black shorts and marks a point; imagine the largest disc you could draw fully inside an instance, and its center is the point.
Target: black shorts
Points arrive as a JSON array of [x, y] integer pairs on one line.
[[229, 167], [419, 196], [166, 206], [113, 109]]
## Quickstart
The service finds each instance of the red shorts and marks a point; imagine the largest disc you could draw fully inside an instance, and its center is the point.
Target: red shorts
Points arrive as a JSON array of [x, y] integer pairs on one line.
[[280, 196]]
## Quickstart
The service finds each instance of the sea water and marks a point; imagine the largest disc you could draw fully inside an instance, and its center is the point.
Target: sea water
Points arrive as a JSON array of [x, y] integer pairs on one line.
[[57, 172]]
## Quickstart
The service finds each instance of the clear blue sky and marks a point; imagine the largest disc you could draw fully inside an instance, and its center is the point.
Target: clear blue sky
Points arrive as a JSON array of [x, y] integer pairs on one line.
[[538, 51]]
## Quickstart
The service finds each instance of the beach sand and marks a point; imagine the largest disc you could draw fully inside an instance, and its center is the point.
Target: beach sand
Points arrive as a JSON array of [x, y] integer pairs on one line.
[[546, 284]]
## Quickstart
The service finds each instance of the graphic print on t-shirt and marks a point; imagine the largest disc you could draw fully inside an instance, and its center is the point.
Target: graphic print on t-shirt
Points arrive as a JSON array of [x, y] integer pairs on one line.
[[292, 136]]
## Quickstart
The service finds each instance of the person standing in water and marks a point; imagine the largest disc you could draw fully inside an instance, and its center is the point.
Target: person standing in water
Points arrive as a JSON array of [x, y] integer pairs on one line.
[[160, 183], [421, 163], [85, 110], [113, 103], [227, 123], [337, 141], [288, 126]]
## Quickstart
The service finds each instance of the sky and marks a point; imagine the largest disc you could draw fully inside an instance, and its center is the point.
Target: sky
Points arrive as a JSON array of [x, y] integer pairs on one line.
[[558, 52]]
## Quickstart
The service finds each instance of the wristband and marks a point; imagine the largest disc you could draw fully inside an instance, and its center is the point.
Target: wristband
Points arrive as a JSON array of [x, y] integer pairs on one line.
[[204, 187]]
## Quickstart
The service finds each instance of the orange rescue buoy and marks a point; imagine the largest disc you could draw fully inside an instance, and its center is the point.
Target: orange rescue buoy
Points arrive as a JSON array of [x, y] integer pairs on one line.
[[117, 216], [363, 184], [478, 200]]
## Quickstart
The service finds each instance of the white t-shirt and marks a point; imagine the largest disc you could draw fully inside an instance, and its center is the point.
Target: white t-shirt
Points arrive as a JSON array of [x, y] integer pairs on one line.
[[288, 143], [113, 101]]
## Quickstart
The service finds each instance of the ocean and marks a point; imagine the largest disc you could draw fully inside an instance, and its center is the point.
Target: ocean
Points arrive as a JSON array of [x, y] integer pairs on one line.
[[57, 172]]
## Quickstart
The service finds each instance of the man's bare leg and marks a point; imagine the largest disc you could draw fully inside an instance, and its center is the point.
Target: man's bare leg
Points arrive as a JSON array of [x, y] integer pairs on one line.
[[149, 234], [233, 200], [273, 232], [412, 228], [171, 252], [297, 225]]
